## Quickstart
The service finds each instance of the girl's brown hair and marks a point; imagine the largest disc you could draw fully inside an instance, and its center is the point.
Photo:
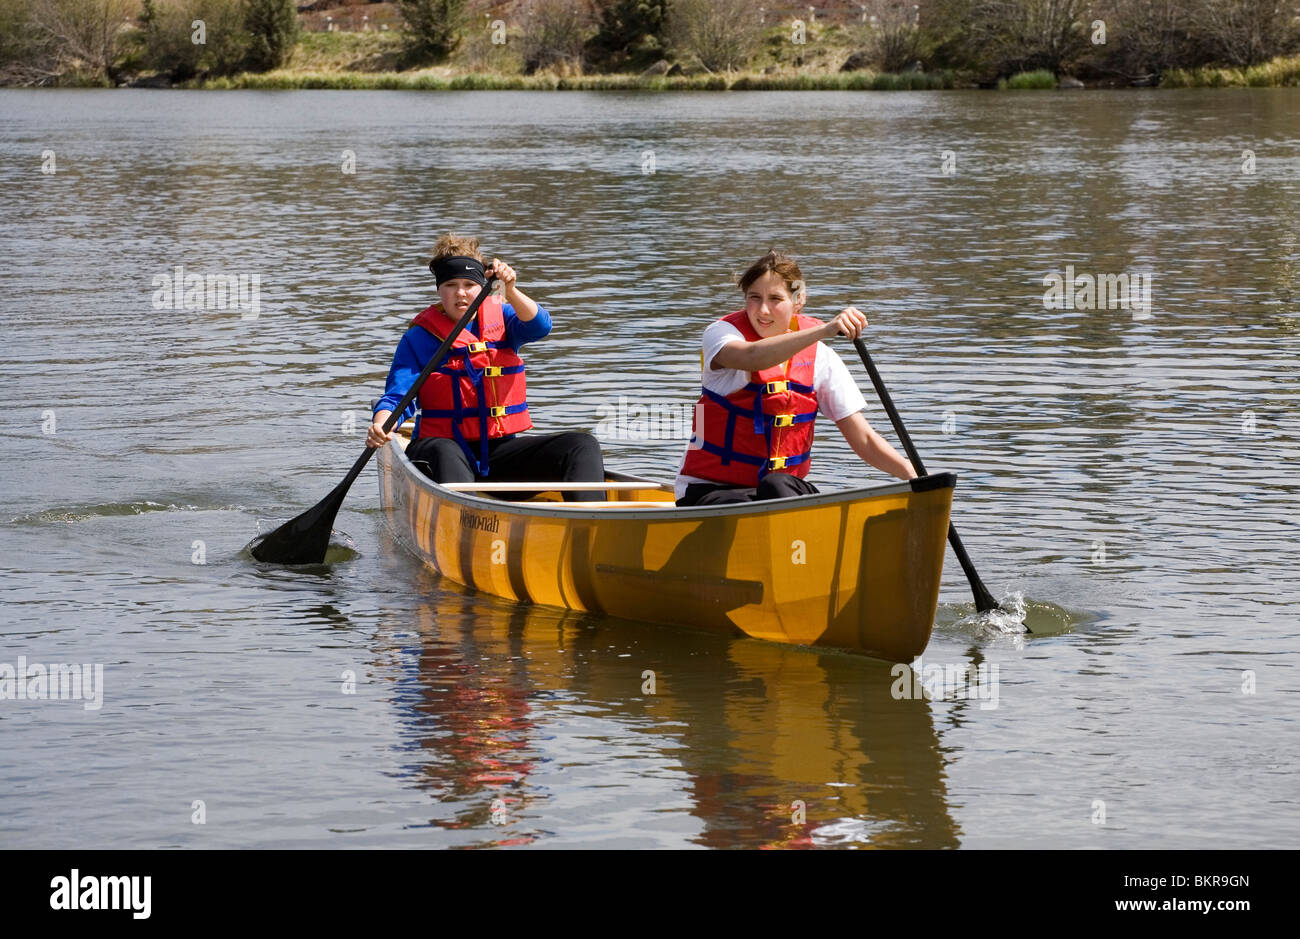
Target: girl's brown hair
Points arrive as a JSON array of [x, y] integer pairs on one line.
[[450, 245], [777, 263]]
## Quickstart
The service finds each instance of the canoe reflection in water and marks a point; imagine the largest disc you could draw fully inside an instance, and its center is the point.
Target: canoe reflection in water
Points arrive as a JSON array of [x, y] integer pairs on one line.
[[534, 726], [470, 710]]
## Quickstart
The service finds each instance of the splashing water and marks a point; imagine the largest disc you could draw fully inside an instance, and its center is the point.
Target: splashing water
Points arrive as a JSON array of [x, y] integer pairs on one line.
[[1007, 619], [1017, 616]]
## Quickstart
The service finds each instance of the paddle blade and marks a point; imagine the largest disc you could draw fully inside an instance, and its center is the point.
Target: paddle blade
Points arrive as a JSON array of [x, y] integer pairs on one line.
[[983, 599], [303, 540]]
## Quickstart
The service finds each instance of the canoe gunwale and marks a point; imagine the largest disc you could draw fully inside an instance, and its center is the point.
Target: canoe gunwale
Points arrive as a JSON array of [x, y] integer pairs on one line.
[[574, 510]]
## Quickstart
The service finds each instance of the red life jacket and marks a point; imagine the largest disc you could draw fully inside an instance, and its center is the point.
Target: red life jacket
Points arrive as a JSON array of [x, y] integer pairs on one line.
[[479, 392], [765, 426]]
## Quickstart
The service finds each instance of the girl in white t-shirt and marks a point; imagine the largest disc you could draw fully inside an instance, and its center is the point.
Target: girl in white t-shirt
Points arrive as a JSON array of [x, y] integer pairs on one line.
[[766, 376]]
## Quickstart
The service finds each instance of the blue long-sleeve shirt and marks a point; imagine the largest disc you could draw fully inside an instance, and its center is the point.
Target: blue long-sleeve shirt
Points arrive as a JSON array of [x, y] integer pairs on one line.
[[418, 346]]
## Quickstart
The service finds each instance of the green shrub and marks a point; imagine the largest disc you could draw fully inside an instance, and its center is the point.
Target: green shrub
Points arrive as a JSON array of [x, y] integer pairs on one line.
[[1039, 78], [218, 45], [630, 34], [272, 27], [433, 28]]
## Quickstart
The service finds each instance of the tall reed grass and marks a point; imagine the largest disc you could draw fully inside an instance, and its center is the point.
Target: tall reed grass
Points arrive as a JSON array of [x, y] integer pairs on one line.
[[1040, 78], [1277, 73]]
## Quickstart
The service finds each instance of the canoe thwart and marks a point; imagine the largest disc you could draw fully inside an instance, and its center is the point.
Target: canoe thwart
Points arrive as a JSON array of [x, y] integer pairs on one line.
[[622, 504], [550, 487]]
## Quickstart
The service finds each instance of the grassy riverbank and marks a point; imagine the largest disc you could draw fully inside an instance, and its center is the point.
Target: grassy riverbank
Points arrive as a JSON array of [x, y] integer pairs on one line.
[[373, 60], [445, 79], [369, 60], [1280, 72], [649, 44]]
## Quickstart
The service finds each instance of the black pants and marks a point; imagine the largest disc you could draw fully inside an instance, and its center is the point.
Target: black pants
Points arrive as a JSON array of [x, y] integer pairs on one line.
[[568, 457], [771, 486]]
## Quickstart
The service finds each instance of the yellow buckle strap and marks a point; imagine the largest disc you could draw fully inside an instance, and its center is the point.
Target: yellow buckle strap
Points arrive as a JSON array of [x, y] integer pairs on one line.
[[776, 463], [776, 387], [476, 347], [497, 412], [492, 371], [783, 420]]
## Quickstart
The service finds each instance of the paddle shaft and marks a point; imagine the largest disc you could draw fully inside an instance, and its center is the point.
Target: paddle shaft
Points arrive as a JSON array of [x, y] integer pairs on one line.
[[305, 539], [420, 379], [983, 599]]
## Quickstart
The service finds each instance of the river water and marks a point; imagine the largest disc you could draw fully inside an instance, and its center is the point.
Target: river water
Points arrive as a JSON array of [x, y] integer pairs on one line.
[[1127, 475]]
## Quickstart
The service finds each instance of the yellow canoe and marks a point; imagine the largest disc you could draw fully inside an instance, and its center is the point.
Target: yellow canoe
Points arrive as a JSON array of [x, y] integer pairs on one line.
[[854, 569]]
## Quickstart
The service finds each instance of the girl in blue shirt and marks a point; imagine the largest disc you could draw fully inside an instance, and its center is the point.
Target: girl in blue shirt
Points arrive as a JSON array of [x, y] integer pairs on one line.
[[458, 401]]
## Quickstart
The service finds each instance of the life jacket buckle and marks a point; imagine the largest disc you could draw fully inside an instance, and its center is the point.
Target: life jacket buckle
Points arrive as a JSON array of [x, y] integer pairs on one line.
[[492, 371], [476, 347], [776, 463], [783, 420], [497, 412], [776, 387]]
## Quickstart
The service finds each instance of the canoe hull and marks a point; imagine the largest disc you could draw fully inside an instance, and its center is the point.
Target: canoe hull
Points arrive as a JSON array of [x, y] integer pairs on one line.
[[857, 570]]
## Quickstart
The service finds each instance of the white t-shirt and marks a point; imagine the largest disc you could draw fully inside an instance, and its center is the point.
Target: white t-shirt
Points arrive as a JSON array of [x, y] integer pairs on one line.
[[838, 394]]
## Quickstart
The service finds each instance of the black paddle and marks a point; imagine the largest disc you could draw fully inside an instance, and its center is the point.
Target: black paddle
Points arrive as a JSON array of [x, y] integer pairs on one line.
[[303, 540], [983, 599]]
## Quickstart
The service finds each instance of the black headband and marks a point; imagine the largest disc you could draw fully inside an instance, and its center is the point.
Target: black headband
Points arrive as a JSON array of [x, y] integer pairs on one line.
[[457, 266]]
